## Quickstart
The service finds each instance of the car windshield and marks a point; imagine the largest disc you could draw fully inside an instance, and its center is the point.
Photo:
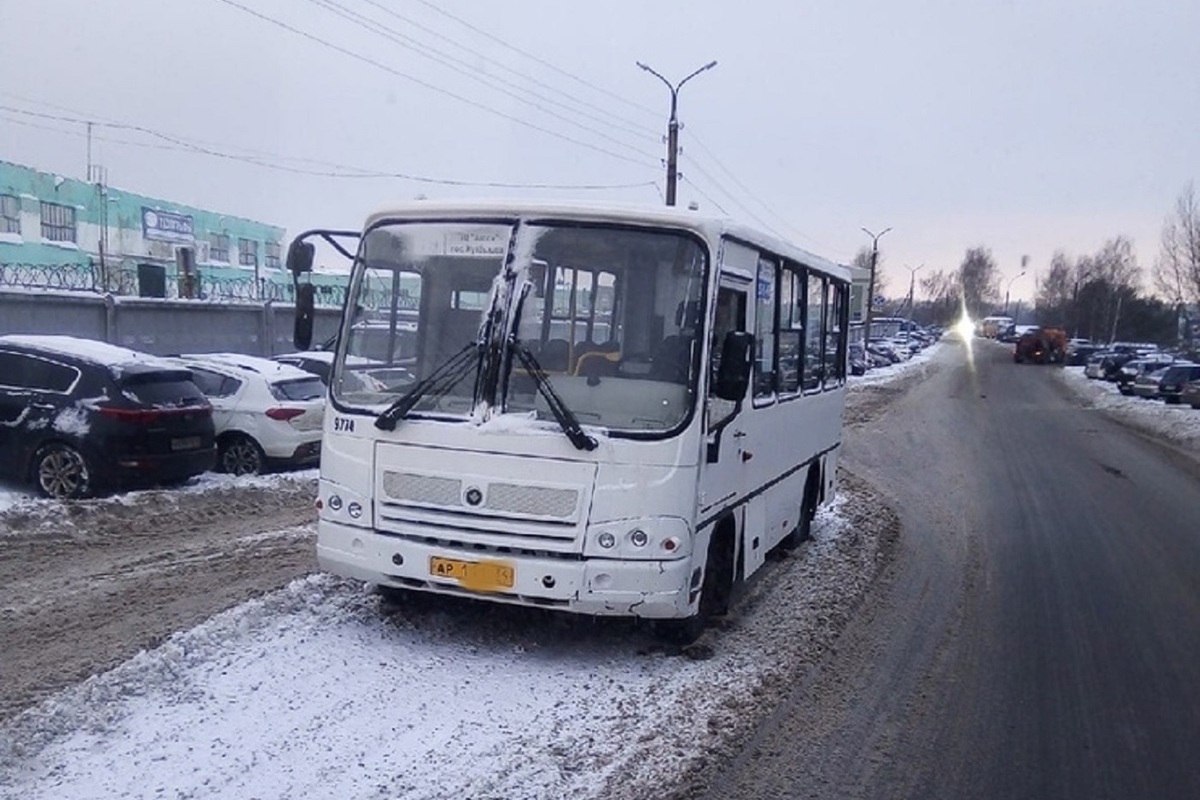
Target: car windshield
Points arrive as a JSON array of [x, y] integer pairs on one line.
[[161, 388], [298, 389]]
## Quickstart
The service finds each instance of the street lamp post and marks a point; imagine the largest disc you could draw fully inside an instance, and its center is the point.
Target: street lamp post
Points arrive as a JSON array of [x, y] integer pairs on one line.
[[912, 282], [1009, 287], [875, 237], [673, 125]]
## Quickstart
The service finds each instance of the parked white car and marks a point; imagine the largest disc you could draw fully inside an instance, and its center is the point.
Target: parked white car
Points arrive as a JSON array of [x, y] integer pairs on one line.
[[266, 414]]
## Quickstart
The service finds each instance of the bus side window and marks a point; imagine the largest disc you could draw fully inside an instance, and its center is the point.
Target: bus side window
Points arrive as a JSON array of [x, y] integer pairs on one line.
[[730, 316]]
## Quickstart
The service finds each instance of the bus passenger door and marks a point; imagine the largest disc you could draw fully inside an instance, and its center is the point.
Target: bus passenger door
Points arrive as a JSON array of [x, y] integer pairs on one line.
[[723, 480]]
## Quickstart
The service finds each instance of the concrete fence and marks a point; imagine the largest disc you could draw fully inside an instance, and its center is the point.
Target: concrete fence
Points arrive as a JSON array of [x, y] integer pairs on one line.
[[159, 326]]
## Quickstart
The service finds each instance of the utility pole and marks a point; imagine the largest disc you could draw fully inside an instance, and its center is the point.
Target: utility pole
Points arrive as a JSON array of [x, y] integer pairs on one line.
[[673, 125], [1009, 287], [912, 281], [875, 237]]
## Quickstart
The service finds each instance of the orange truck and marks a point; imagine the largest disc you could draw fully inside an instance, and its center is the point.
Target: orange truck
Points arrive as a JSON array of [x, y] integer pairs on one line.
[[1041, 346]]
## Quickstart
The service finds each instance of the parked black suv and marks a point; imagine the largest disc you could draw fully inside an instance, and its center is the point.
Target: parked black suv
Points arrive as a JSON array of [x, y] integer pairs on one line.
[[79, 416]]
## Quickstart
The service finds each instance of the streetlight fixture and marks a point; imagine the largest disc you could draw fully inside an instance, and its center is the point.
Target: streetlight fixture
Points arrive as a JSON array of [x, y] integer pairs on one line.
[[673, 125], [875, 237]]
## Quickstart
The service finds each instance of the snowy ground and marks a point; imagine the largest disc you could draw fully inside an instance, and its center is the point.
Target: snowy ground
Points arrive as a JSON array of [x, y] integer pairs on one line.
[[318, 690], [321, 690]]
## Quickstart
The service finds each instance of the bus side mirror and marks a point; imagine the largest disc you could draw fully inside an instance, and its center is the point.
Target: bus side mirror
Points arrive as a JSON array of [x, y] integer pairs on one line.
[[300, 257], [737, 357], [303, 330]]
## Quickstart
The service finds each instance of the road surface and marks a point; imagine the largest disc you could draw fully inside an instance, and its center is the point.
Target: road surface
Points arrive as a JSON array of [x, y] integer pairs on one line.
[[1037, 635]]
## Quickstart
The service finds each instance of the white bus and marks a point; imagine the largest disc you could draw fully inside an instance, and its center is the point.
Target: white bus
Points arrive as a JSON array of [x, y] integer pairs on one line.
[[605, 411]]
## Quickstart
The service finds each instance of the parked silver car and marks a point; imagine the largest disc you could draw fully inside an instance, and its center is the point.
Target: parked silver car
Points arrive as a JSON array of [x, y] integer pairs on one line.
[[1177, 376]]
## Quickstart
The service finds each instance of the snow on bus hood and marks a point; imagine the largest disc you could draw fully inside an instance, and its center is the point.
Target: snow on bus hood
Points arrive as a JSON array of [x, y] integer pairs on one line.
[[526, 423]]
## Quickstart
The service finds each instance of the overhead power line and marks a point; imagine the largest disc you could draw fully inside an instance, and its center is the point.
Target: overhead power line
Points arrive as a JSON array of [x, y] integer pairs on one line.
[[539, 60], [393, 71], [703, 194], [272, 161], [786, 225], [457, 65], [609, 117]]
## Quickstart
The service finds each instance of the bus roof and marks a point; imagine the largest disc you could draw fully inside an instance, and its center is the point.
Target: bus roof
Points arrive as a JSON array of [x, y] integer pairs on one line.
[[706, 225]]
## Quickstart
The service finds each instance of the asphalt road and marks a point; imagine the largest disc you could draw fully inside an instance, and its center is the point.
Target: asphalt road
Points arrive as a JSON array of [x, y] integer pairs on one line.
[[1038, 634]]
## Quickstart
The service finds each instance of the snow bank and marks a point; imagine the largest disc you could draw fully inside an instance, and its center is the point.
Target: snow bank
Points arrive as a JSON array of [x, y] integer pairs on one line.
[[1178, 424]]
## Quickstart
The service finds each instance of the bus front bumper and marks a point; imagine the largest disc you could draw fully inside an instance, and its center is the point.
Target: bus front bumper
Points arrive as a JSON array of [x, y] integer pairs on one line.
[[603, 587]]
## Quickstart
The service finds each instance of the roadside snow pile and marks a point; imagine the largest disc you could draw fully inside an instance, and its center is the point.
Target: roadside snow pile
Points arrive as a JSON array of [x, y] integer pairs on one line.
[[322, 690], [23, 514], [894, 371], [1179, 424]]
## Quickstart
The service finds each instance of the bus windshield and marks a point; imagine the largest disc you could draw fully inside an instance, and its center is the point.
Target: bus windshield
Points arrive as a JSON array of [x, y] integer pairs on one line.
[[611, 316], [419, 290]]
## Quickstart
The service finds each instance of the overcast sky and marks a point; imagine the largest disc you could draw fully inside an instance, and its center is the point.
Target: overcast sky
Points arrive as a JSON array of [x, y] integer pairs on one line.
[[1023, 126]]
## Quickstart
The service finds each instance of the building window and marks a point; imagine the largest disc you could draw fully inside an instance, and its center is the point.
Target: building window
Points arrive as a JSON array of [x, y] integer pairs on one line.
[[218, 247], [271, 257], [10, 214], [248, 252], [58, 222]]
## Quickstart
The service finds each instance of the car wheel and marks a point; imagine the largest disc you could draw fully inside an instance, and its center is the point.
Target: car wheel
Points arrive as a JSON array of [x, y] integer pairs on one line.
[[240, 455], [61, 472]]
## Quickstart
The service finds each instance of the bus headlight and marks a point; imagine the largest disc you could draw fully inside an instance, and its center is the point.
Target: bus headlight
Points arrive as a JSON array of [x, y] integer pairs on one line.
[[647, 539]]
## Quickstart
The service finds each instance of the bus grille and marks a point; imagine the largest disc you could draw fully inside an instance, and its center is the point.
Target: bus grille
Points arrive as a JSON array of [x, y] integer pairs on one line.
[[424, 489], [499, 498]]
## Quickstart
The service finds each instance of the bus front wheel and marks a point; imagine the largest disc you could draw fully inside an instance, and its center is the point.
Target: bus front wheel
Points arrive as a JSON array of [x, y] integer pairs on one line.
[[715, 591]]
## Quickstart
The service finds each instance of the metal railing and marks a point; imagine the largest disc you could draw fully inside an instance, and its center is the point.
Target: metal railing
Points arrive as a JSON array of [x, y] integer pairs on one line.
[[124, 281]]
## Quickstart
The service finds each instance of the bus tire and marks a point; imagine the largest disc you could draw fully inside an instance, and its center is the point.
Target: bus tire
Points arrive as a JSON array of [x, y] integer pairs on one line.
[[715, 591], [808, 509]]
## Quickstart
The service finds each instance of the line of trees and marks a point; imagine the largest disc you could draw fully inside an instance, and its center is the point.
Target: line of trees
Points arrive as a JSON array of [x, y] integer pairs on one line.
[[1100, 296]]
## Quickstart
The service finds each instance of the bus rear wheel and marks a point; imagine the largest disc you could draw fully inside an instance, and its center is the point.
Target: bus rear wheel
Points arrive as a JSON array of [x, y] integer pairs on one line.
[[808, 509]]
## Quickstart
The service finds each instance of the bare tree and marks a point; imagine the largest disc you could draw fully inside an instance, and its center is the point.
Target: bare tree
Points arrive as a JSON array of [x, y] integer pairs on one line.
[[941, 289], [979, 280], [1177, 271], [862, 260], [1117, 264], [1056, 291]]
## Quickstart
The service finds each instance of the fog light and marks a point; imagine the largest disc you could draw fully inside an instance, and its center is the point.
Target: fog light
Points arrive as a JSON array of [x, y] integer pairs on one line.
[[606, 540], [638, 538], [335, 502], [354, 510]]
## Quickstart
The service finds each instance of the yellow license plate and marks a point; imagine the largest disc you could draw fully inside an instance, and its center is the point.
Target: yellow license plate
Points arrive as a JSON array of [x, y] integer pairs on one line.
[[478, 576]]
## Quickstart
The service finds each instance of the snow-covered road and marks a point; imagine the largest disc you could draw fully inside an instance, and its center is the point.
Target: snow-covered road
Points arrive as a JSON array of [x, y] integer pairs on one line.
[[321, 690], [318, 691]]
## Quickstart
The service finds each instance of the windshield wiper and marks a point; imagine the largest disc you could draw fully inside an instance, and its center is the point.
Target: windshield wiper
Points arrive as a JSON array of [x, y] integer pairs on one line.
[[566, 419], [436, 384]]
